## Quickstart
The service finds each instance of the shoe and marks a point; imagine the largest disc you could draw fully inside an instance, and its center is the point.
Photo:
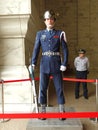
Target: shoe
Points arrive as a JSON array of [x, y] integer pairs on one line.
[[43, 110], [42, 118], [62, 119], [76, 97], [86, 97], [62, 110]]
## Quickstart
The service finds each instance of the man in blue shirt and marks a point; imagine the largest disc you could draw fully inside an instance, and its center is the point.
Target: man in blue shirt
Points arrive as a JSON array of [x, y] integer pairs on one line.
[[50, 40]]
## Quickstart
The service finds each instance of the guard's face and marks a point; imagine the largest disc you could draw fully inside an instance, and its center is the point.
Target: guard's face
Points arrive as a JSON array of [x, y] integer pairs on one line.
[[49, 23], [81, 55]]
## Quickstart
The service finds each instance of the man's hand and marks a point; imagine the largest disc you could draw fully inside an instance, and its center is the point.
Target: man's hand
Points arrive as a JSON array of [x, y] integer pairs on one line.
[[63, 68], [31, 67]]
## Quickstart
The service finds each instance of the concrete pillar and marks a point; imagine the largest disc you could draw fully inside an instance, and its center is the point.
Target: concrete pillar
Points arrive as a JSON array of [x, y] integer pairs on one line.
[[14, 17]]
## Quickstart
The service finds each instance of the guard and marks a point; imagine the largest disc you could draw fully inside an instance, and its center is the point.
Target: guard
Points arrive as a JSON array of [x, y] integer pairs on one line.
[[81, 64], [50, 41]]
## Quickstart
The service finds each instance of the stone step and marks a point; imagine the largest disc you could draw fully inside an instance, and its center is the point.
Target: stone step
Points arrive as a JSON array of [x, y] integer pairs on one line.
[[55, 124]]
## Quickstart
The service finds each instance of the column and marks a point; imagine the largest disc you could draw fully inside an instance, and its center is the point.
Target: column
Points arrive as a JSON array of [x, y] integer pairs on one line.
[[14, 18]]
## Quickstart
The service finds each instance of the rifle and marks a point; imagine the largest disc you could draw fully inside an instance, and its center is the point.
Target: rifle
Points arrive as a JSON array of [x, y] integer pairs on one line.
[[31, 70]]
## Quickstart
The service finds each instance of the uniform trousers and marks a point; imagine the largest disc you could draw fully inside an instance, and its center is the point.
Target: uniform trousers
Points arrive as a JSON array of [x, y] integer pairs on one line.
[[58, 83], [81, 75]]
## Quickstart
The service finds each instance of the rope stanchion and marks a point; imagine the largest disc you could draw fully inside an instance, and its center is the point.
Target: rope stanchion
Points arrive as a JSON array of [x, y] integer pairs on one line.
[[52, 115], [3, 120], [96, 118]]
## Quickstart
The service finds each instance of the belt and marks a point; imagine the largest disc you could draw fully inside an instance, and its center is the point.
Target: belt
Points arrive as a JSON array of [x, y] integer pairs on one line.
[[50, 53]]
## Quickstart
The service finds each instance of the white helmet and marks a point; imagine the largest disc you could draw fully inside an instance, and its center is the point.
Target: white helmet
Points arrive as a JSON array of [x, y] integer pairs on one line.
[[49, 14]]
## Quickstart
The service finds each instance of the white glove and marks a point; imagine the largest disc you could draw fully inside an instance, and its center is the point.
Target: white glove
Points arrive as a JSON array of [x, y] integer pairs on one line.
[[31, 67], [63, 68]]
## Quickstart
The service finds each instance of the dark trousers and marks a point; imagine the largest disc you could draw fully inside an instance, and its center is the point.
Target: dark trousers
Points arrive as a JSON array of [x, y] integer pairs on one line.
[[81, 75], [58, 83]]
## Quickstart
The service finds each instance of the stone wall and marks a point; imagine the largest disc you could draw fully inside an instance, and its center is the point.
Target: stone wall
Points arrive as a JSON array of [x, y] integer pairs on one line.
[[19, 22], [78, 18], [35, 23]]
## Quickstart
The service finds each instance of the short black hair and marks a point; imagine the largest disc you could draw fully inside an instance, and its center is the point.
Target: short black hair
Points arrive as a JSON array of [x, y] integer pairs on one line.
[[82, 51]]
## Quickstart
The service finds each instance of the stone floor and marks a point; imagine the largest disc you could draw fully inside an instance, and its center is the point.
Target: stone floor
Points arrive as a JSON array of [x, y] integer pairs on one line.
[[54, 124], [80, 104]]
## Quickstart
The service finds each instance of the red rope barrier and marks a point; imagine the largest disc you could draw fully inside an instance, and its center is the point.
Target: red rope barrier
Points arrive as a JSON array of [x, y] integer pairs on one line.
[[37, 79], [80, 80], [18, 80], [51, 115]]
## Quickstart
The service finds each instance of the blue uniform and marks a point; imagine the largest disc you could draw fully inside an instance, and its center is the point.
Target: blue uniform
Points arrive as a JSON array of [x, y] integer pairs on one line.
[[50, 64]]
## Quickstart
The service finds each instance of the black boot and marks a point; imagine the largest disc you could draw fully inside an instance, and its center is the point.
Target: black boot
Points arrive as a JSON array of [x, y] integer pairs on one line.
[[43, 110], [62, 110]]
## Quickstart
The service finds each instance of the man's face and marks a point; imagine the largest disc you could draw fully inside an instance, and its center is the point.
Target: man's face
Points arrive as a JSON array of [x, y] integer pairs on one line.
[[50, 22], [81, 55]]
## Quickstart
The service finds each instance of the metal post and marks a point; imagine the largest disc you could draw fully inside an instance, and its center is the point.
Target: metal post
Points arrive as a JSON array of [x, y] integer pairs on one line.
[[47, 97], [31, 70], [3, 120], [96, 119], [96, 98]]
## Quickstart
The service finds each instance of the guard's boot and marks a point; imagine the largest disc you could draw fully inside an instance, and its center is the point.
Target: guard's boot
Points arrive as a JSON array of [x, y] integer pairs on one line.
[[43, 110], [62, 110]]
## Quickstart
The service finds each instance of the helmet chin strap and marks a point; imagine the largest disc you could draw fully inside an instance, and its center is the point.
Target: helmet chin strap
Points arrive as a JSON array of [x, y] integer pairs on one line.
[[50, 26]]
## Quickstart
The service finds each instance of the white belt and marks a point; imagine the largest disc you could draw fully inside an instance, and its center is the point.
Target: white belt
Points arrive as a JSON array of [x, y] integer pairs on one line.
[[50, 53]]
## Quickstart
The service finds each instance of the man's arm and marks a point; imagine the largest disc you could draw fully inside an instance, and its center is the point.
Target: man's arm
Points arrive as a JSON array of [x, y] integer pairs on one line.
[[64, 48], [75, 62], [36, 49]]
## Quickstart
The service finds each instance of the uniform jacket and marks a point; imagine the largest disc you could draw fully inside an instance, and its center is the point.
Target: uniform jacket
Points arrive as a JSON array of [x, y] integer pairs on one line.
[[50, 42]]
